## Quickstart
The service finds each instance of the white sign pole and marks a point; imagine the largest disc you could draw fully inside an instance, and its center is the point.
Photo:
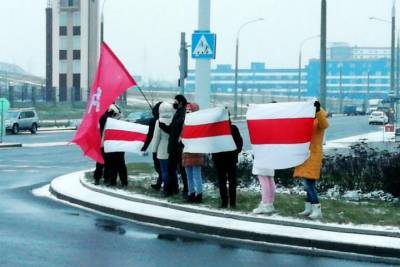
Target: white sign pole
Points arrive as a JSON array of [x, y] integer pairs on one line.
[[203, 66]]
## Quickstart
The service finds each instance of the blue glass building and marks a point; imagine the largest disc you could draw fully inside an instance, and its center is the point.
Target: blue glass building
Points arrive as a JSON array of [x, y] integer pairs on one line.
[[359, 79]]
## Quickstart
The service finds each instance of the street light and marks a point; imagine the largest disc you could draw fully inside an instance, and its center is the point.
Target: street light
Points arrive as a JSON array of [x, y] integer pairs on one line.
[[300, 58], [237, 61], [392, 56]]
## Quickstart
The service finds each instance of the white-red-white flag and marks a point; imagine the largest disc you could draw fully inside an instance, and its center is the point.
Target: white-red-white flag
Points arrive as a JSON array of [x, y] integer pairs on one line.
[[280, 133], [122, 136], [207, 131]]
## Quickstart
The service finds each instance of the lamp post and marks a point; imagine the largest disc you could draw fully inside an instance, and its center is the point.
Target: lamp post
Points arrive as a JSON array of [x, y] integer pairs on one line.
[[393, 87], [102, 21], [322, 90], [341, 89], [300, 59], [237, 62]]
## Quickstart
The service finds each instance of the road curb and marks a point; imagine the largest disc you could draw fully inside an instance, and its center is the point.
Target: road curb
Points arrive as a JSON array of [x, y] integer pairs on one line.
[[56, 129], [242, 217], [8, 145], [391, 255]]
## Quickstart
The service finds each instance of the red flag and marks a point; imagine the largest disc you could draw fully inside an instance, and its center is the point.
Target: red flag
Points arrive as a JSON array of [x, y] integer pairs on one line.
[[111, 81]]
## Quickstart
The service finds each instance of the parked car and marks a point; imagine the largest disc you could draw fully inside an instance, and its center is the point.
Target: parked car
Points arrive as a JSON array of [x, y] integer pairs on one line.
[[139, 117], [22, 120], [378, 117]]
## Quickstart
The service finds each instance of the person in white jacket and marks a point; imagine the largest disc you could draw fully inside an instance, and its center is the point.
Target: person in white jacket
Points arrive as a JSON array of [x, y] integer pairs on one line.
[[268, 188], [160, 141]]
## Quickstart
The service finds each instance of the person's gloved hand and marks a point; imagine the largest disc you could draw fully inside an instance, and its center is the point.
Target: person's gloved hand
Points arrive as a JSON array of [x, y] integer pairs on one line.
[[144, 153], [317, 106]]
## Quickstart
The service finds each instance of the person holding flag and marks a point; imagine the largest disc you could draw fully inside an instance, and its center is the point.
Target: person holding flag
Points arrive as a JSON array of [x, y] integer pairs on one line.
[[111, 81], [225, 163], [310, 170]]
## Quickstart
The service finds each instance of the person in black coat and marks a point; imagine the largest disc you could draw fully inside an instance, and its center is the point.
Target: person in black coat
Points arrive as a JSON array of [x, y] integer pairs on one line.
[[117, 159], [149, 137], [104, 170], [225, 163], [175, 147]]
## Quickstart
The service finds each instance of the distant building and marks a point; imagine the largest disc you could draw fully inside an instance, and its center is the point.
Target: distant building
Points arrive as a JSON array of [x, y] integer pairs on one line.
[[72, 45], [343, 51], [257, 78], [359, 78]]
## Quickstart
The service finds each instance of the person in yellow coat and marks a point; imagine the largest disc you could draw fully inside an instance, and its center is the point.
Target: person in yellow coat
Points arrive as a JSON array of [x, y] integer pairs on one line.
[[310, 170]]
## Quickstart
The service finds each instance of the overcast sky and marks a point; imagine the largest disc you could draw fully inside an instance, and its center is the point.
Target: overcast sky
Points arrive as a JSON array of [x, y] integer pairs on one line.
[[145, 33]]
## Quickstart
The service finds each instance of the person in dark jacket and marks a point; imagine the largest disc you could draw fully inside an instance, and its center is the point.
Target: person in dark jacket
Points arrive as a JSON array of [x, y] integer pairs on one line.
[[117, 159], [225, 163], [175, 147], [103, 170], [149, 138]]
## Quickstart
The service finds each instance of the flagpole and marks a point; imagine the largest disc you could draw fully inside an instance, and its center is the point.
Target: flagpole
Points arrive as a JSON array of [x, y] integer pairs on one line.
[[140, 90]]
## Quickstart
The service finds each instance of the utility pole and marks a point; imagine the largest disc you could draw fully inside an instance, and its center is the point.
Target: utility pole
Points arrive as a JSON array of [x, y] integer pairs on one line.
[[299, 93], [203, 66], [183, 66], [341, 90], [322, 93], [392, 48], [368, 84]]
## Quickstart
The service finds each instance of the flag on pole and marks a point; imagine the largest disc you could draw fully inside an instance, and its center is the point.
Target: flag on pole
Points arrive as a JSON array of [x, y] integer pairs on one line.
[[111, 81], [122, 136], [280, 133], [207, 131]]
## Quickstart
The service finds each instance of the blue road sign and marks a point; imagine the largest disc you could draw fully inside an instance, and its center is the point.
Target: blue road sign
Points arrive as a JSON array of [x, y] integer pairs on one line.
[[203, 45]]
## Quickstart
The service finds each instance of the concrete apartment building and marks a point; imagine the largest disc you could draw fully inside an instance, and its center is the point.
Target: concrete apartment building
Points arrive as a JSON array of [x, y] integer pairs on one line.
[[72, 48]]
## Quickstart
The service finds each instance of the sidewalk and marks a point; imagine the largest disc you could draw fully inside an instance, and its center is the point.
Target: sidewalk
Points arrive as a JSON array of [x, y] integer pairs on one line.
[[308, 236]]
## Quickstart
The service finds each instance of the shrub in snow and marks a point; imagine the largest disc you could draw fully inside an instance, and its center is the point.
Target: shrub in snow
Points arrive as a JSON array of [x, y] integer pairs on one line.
[[363, 168]]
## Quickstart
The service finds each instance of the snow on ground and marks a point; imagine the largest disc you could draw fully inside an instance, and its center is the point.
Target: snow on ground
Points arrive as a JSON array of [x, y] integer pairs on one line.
[[70, 185], [298, 190], [378, 136], [43, 191]]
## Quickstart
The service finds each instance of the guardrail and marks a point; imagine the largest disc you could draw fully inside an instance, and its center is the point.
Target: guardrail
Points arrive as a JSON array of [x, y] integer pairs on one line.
[[60, 123]]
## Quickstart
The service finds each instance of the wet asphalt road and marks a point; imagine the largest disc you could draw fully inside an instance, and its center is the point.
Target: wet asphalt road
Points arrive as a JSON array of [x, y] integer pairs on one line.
[[38, 231]]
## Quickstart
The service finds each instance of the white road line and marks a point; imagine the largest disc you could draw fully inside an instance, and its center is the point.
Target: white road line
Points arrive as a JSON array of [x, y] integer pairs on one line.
[[50, 144]]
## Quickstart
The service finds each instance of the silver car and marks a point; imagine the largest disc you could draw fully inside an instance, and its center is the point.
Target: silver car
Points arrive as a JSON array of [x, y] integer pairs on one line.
[[22, 120]]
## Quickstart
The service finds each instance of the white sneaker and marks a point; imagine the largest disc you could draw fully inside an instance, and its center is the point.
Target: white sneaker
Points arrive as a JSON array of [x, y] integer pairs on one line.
[[264, 208], [307, 209], [316, 213]]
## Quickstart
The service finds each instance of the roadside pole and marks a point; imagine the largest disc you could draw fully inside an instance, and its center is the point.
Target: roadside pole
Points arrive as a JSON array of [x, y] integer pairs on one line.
[[183, 66], [203, 49], [4, 105]]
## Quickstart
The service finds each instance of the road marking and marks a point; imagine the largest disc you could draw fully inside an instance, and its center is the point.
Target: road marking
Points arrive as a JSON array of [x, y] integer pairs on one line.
[[50, 144]]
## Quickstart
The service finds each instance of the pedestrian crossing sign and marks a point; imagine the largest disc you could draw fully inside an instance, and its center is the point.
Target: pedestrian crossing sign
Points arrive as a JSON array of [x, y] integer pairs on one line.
[[203, 45]]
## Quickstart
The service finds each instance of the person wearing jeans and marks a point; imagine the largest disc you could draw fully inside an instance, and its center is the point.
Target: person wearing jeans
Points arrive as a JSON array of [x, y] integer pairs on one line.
[[310, 170], [160, 143], [309, 187], [164, 173], [195, 183]]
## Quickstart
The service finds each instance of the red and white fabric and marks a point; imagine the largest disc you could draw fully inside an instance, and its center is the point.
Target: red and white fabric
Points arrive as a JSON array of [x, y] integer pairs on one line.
[[207, 131], [280, 133], [122, 136], [111, 80]]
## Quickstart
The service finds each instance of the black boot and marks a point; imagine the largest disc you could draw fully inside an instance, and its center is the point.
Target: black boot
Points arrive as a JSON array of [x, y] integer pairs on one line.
[[191, 198], [198, 198], [156, 187]]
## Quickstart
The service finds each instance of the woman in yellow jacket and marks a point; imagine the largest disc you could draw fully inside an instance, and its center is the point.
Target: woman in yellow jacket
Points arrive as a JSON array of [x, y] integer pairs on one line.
[[310, 170]]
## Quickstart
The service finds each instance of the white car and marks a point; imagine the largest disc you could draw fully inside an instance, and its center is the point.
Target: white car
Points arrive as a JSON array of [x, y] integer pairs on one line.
[[22, 119], [378, 117]]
